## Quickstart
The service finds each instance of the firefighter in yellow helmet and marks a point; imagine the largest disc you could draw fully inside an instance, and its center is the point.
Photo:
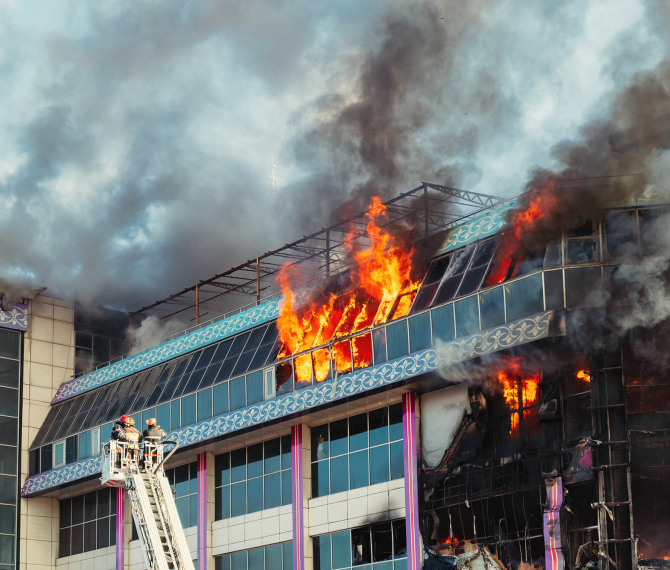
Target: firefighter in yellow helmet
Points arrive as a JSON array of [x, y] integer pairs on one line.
[[133, 437]]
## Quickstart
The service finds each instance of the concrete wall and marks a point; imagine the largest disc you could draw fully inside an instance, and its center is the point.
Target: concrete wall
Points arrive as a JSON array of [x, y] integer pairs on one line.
[[48, 361], [250, 531]]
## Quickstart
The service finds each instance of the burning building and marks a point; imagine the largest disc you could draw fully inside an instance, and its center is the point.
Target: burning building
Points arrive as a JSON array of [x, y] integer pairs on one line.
[[444, 388]]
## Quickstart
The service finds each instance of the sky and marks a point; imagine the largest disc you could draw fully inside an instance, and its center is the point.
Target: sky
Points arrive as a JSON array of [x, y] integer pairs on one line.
[[135, 136]]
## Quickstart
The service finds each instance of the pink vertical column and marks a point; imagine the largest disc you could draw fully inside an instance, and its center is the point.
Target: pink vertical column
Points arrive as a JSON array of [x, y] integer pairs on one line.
[[120, 527], [202, 511], [414, 554], [297, 498]]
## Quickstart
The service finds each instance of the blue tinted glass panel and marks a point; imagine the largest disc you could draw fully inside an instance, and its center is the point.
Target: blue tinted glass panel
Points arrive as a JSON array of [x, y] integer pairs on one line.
[[220, 398], [255, 387], [379, 345], [395, 422], [239, 560], [257, 559], [320, 479], [238, 345], [379, 426], [397, 464], [193, 510], [243, 362], [273, 557], [255, 460], [341, 546], [358, 432], [238, 465], [443, 323], [272, 455], [222, 500], [287, 549], [396, 336], [181, 480], [320, 442], [286, 452], [84, 445], [255, 495], [204, 405], [175, 421], [222, 469], [238, 499], [524, 297], [182, 510], [188, 410], [339, 474], [210, 375], [339, 437], [286, 484], [221, 351], [467, 316], [358, 469], [272, 491], [419, 332], [237, 393], [321, 551], [379, 464], [163, 416], [492, 306]]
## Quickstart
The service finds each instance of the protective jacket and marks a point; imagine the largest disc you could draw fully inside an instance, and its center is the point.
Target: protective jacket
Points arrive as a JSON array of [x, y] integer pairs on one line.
[[119, 432], [154, 432], [133, 437]]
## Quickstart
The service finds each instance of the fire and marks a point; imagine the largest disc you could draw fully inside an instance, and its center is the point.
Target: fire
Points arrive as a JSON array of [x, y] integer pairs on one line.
[[381, 274], [447, 542], [584, 375], [509, 380]]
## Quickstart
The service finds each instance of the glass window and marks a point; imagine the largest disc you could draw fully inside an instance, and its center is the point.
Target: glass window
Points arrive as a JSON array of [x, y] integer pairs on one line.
[[251, 479], [443, 323], [204, 404], [220, 398], [273, 557], [419, 332], [379, 345], [188, 407], [59, 454], [255, 387], [85, 447], [397, 341], [453, 275], [9, 373], [184, 482], [358, 451], [492, 307], [238, 396], [361, 547], [582, 244], [553, 289], [284, 378], [175, 416], [87, 522], [430, 283], [480, 262], [467, 316], [523, 297]]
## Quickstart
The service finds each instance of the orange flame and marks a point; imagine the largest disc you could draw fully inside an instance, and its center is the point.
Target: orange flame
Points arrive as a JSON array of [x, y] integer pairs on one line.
[[584, 375], [382, 274], [509, 380]]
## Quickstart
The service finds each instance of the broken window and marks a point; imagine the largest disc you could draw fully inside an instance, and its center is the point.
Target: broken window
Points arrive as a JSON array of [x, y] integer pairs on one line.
[[480, 263], [430, 283], [453, 275], [582, 244]]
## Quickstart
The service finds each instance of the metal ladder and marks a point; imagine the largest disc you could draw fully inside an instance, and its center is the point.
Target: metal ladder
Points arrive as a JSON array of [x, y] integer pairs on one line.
[[157, 521]]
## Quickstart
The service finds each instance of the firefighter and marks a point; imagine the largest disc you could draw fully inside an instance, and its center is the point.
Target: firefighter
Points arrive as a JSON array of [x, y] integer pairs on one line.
[[119, 429], [133, 437], [152, 436], [154, 431]]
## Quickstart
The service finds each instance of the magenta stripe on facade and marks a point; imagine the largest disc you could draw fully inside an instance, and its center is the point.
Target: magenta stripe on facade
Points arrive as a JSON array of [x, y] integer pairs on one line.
[[202, 511], [414, 554], [297, 497], [120, 528]]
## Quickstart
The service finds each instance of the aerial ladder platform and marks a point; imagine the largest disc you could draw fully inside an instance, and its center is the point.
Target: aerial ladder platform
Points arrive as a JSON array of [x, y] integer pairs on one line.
[[151, 499]]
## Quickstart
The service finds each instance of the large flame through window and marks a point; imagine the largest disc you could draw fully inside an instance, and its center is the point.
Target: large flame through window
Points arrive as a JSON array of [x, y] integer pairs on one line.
[[381, 285], [518, 387]]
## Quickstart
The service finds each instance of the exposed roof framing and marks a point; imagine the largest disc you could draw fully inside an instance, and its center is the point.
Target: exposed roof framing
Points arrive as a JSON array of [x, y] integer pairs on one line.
[[431, 207]]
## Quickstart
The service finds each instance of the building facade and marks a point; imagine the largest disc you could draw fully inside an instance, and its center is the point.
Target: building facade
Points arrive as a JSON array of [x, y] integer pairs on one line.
[[481, 417]]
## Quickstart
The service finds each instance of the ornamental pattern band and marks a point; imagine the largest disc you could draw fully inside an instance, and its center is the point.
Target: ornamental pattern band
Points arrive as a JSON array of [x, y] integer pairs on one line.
[[171, 349], [502, 337], [15, 318]]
